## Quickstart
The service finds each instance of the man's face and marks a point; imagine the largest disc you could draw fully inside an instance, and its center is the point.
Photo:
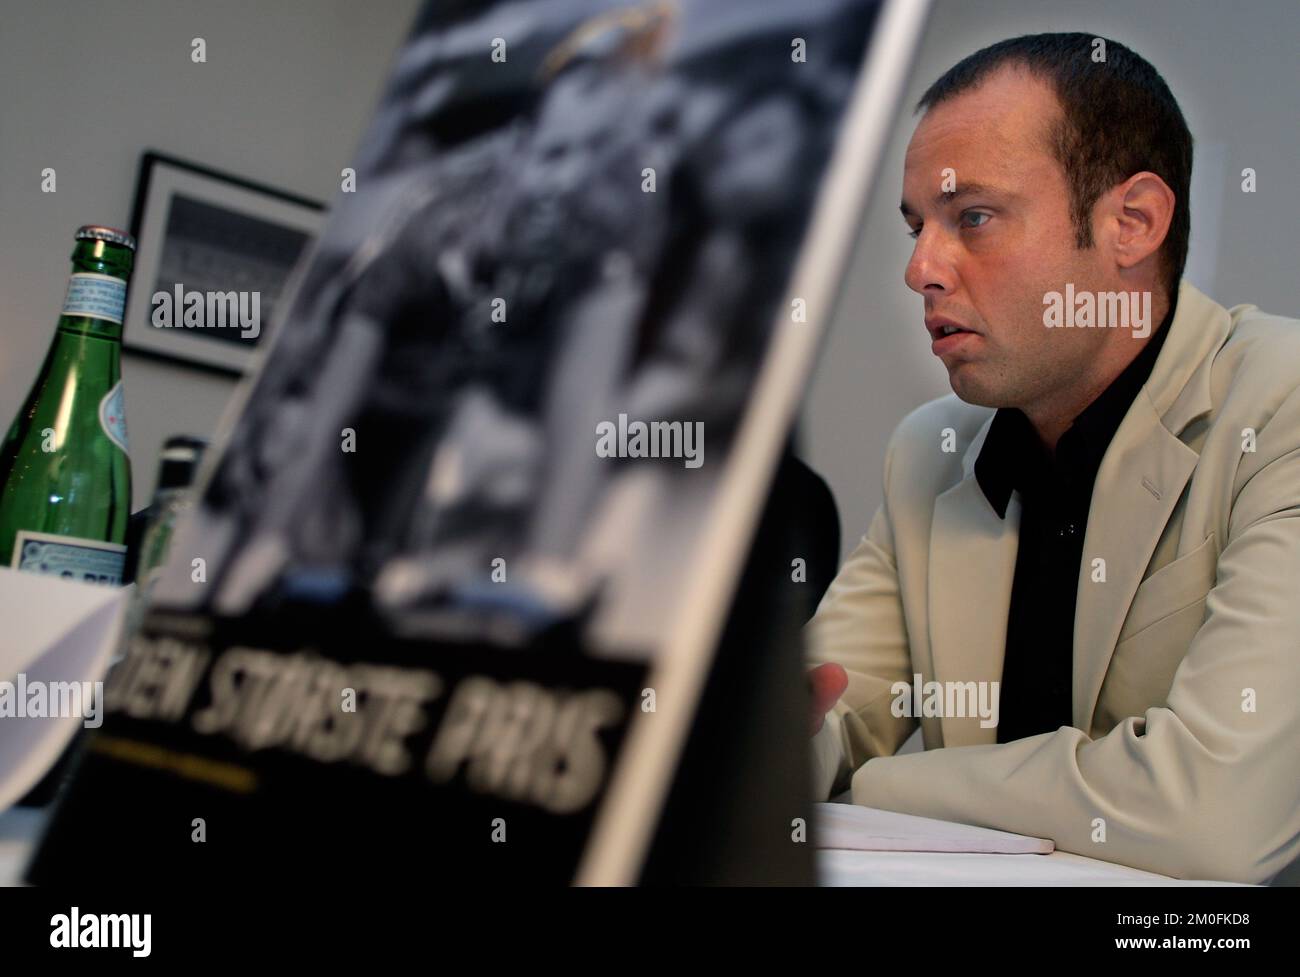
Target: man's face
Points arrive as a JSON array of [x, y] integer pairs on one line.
[[563, 184], [987, 254]]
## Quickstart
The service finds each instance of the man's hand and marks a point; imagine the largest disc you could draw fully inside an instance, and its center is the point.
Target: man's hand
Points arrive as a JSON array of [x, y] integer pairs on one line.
[[827, 683]]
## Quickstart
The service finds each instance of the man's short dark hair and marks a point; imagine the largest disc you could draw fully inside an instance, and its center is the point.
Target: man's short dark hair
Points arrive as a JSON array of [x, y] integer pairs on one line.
[[1118, 118]]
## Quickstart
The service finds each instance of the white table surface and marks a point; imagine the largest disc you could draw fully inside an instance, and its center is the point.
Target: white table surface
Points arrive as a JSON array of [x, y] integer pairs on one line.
[[861, 868], [21, 827]]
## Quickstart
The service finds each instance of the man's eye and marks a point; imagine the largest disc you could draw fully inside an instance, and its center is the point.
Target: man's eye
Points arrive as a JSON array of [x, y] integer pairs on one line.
[[973, 213], [914, 233]]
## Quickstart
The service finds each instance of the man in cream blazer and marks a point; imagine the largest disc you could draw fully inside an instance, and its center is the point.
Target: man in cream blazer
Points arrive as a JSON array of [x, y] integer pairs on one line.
[[1182, 755]]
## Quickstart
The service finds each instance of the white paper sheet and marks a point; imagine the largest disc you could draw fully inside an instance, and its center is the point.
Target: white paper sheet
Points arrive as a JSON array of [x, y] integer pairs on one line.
[[51, 630]]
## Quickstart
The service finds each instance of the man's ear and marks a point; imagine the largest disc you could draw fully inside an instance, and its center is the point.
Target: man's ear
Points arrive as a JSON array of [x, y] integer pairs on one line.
[[1135, 217]]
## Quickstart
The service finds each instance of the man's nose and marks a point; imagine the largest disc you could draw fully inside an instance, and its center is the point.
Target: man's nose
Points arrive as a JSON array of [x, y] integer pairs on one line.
[[929, 268]]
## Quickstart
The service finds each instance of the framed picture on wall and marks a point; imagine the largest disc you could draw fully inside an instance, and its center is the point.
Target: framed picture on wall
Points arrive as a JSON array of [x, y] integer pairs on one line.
[[214, 253]]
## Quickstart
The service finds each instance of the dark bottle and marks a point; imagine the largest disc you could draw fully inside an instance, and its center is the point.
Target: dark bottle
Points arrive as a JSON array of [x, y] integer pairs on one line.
[[152, 527]]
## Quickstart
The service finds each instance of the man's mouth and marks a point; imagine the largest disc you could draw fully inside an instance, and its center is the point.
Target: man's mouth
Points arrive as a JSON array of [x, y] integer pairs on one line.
[[939, 327], [946, 335]]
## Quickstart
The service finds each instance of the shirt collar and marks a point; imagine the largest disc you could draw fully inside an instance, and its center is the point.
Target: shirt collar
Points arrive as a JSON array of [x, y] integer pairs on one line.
[[1012, 454]]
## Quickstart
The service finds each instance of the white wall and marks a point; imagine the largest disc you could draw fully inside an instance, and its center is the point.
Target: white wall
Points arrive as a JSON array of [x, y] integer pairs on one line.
[[289, 84], [87, 86], [1232, 67]]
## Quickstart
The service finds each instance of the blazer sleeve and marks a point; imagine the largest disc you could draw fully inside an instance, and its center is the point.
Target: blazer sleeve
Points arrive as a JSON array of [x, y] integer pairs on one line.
[[1205, 786], [859, 624]]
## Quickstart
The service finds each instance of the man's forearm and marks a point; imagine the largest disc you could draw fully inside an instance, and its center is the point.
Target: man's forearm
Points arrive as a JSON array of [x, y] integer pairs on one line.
[[1150, 799]]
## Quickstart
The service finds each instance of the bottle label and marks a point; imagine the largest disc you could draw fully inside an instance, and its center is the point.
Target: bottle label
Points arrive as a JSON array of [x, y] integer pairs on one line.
[[96, 296], [112, 416], [87, 560]]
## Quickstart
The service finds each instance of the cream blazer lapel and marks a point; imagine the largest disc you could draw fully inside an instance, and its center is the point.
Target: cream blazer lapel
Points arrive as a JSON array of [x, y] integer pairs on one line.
[[1138, 484], [971, 567]]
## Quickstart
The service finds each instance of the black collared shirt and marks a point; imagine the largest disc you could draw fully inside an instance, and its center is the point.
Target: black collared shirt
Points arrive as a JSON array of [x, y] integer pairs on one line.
[[1055, 494]]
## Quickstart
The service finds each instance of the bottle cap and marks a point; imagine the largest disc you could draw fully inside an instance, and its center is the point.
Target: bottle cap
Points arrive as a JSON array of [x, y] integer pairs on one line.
[[180, 458], [98, 232]]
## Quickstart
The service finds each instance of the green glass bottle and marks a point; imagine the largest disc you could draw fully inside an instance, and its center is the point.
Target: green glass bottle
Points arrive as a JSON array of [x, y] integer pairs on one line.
[[64, 471]]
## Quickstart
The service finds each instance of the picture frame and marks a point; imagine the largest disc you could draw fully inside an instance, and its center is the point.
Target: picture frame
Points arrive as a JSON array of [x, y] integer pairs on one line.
[[210, 232]]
